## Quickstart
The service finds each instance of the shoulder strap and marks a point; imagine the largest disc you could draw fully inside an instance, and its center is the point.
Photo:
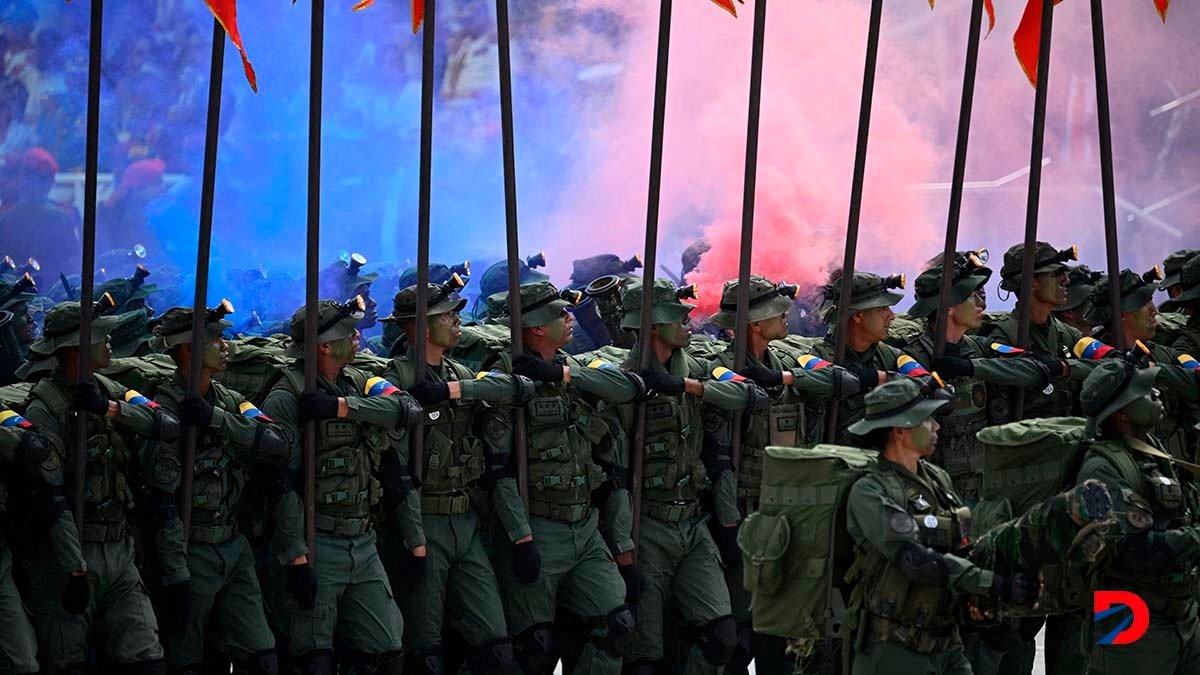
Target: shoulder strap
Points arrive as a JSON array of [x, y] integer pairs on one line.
[[54, 399]]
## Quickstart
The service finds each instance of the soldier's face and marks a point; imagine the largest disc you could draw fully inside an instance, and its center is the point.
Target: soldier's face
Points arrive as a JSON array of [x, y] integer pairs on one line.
[[1050, 287], [1175, 291], [774, 328], [1142, 324], [923, 437], [216, 355], [343, 350], [1146, 412], [560, 331], [100, 354], [968, 313], [675, 334], [445, 330], [874, 322]]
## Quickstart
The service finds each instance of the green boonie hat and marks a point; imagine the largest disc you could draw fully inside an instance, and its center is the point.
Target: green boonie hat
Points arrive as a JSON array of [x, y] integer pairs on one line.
[[495, 278], [1046, 258], [131, 333], [343, 278], [967, 279], [1080, 281], [1189, 278], [60, 329], [17, 292], [175, 325], [1111, 386], [440, 300], [496, 307], [767, 300], [438, 274], [667, 307], [335, 321], [35, 365], [126, 291], [542, 303], [868, 291], [1135, 293], [897, 403], [1173, 265]]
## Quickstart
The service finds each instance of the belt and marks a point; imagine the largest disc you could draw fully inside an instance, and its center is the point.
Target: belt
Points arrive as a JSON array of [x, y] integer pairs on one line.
[[452, 504], [911, 637], [563, 513], [212, 534], [671, 512], [342, 527], [104, 533]]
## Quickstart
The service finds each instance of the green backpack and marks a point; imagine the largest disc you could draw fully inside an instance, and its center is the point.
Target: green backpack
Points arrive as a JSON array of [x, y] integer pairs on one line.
[[704, 349], [479, 342], [255, 365], [608, 354], [1170, 325], [794, 346], [905, 330], [370, 363], [143, 374], [795, 548], [14, 396]]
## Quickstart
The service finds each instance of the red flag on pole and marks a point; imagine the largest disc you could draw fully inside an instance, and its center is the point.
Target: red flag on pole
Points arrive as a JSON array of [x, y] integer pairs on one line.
[[988, 6], [728, 5], [418, 11], [225, 12], [1161, 6]]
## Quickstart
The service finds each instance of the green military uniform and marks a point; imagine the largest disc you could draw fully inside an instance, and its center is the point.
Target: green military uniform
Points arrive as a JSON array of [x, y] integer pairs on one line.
[[352, 595], [1172, 281], [227, 602], [910, 531], [1080, 281], [677, 553], [466, 447], [1188, 341], [1155, 550], [567, 449], [17, 325], [119, 614]]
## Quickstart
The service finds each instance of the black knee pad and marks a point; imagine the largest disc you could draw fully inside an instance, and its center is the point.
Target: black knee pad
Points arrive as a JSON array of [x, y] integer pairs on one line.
[[743, 652], [265, 662], [428, 661], [494, 657], [146, 668], [718, 640], [316, 662], [641, 667], [618, 631], [536, 649]]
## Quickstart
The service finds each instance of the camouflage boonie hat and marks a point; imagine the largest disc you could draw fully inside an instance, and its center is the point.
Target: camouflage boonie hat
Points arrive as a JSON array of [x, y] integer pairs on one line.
[[542, 303], [1111, 386], [15, 293], [667, 308], [343, 278], [131, 334], [1173, 265], [1046, 258], [868, 291], [901, 402], [440, 299], [438, 274], [967, 279], [335, 321], [1189, 278], [61, 329], [175, 325], [767, 300], [1080, 281], [1135, 293], [496, 308], [36, 364], [495, 278]]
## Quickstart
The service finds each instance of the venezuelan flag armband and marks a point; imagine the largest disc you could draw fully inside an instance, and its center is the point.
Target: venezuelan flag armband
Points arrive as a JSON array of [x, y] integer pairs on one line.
[[11, 420], [907, 365], [377, 386], [247, 409], [133, 397]]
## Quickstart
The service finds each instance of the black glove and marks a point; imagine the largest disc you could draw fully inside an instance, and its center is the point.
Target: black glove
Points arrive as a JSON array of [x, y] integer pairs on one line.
[[634, 583], [526, 563], [763, 377], [430, 393], [177, 599], [33, 449], [195, 412], [868, 378], [659, 382], [537, 369], [317, 405], [87, 398], [302, 584], [953, 366], [726, 540], [77, 594], [413, 568], [1019, 589], [1052, 365]]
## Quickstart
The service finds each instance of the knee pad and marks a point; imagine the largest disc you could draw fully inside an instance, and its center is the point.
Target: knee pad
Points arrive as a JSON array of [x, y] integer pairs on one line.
[[718, 640], [536, 649], [428, 661], [743, 651], [265, 662], [618, 628], [494, 657], [641, 667], [316, 662]]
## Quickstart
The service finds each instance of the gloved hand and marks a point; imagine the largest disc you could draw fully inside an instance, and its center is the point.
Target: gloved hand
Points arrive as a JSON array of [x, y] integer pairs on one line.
[[33, 449], [302, 584], [635, 583], [726, 540], [87, 398], [659, 382], [77, 594], [1053, 366], [195, 412], [763, 377], [317, 405], [537, 369], [430, 393], [868, 378], [526, 563], [413, 568], [1019, 589], [953, 366], [178, 600]]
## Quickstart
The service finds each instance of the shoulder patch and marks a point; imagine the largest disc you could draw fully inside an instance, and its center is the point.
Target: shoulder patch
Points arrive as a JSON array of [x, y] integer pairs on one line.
[[812, 362], [487, 373], [713, 421], [133, 397], [723, 374], [907, 365], [377, 386], [247, 409], [11, 419], [602, 365], [166, 471], [902, 523], [1001, 348], [1091, 349], [1188, 361]]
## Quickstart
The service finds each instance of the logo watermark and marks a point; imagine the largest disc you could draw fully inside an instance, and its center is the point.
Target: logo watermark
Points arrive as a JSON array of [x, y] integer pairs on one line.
[[1134, 625]]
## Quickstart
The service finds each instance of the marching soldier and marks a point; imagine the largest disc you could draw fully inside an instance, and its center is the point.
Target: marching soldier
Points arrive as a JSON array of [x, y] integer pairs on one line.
[[1172, 281], [1188, 341], [226, 601], [67, 614], [18, 327], [346, 590], [345, 279], [1080, 280]]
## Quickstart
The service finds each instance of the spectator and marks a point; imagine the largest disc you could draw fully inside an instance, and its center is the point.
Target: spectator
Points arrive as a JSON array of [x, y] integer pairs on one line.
[[37, 227], [121, 219]]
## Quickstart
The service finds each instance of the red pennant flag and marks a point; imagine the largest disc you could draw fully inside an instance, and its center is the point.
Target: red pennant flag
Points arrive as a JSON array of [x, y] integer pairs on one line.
[[988, 7], [1161, 6], [727, 5], [225, 12]]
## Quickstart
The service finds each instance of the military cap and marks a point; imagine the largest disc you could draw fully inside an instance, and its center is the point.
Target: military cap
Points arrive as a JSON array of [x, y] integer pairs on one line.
[[61, 328], [1173, 265], [767, 300], [438, 274], [343, 278], [496, 308], [175, 325], [495, 278], [668, 305], [35, 364], [969, 275], [1080, 281], [901, 402], [586, 270], [1136, 291], [1046, 258], [867, 291], [335, 321], [17, 292], [1189, 278], [542, 303], [131, 334], [440, 299], [1112, 385]]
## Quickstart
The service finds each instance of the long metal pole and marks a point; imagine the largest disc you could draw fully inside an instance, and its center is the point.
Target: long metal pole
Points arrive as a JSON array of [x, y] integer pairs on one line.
[[88, 273], [1035, 190], [511, 233], [742, 328], [417, 445], [1107, 182], [208, 185], [313, 263], [653, 195], [956, 180], [856, 190]]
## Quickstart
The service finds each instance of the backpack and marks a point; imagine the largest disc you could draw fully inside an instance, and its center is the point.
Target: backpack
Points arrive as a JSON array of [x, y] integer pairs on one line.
[[1170, 326], [704, 349], [370, 363], [15, 396], [609, 354], [141, 373], [905, 330], [479, 342], [794, 346], [795, 548], [255, 365]]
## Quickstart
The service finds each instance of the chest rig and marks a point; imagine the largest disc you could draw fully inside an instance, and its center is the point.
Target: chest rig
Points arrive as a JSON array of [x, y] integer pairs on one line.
[[958, 452], [881, 356], [1056, 399], [454, 456]]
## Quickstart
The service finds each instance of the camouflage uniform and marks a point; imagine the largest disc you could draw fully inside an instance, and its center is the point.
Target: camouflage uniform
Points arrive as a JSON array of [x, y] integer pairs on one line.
[[1188, 341]]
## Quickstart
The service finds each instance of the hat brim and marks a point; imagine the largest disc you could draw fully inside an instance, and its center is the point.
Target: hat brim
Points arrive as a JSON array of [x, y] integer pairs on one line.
[[663, 312], [102, 327], [905, 419], [1139, 386], [1172, 279], [1188, 295], [341, 330], [885, 299], [131, 348], [1076, 297], [546, 314], [959, 293], [774, 307], [1099, 312], [165, 342], [446, 306]]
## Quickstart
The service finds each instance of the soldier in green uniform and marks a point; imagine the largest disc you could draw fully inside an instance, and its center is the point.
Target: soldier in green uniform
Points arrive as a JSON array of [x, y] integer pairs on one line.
[[1188, 341], [232, 434], [346, 279], [568, 445], [346, 590], [435, 546], [909, 527], [18, 327], [677, 554], [1172, 281], [1080, 280], [118, 613], [1155, 549]]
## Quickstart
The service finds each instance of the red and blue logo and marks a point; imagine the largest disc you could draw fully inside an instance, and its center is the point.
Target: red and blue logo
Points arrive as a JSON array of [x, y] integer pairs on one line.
[[1132, 627]]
